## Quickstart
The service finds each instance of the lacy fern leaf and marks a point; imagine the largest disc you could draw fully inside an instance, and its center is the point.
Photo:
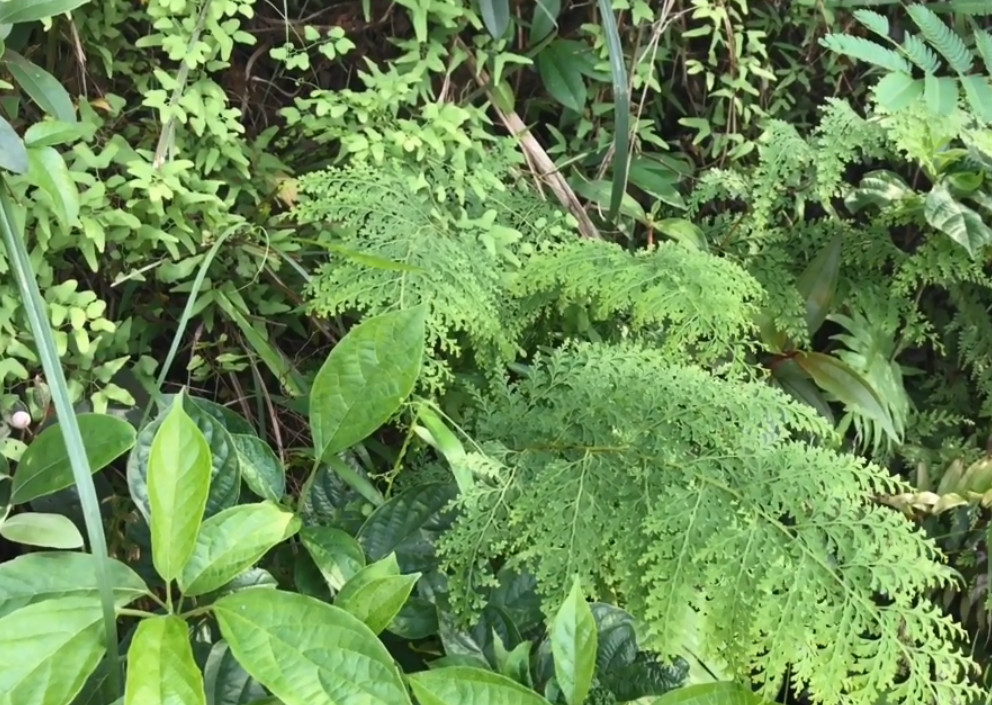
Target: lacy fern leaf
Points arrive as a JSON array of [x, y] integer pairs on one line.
[[689, 496]]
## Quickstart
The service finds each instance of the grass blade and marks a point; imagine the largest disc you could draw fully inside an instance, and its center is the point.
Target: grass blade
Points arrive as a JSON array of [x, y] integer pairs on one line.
[[37, 314], [621, 108]]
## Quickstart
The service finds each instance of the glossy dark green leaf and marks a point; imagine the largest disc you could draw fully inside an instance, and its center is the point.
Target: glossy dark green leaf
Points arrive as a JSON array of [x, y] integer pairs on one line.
[[818, 284], [404, 525], [44, 467], [261, 469], [544, 20], [366, 378], [13, 153], [14, 11], [161, 666], [560, 67], [42, 529], [43, 88], [495, 16], [226, 682]]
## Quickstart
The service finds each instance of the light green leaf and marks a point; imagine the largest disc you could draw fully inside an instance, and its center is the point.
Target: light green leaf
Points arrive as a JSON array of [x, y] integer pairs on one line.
[[495, 16], [44, 467], [684, 231], [273, 635], [43, 87], [178, 484], [366, 378], [560, 66], [979, 94], [48, 171], [461, 685], [723, 693], [65, 646], [46, 575], [13, 154], [818, 284], [897, 91], [226, 682], [42, 529], [956, 220], [14, 11], [49, 133], [337, 555], [161, 668], [260, 467], [573, 643], [232, 541], [940, 93], [377, 593]]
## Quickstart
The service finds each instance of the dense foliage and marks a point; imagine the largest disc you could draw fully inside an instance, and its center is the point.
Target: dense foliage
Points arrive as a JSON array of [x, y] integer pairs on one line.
[[485, 351]]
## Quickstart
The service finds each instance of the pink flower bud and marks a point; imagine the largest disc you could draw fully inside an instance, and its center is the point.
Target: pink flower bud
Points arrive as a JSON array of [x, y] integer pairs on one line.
[[20, 419]]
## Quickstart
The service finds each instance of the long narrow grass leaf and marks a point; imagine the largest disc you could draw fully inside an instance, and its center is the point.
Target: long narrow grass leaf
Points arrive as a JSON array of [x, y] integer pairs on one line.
[[621, 108]]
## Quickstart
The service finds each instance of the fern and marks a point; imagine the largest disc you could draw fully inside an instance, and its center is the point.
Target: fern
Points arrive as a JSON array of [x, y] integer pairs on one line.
[[688, 496]]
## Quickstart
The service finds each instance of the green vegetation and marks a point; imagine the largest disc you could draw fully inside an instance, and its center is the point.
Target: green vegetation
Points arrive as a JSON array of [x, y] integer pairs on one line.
[[474, 351]]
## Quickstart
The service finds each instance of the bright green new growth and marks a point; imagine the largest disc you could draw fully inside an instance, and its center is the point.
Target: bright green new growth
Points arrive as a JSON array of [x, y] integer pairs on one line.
[[687, 494]]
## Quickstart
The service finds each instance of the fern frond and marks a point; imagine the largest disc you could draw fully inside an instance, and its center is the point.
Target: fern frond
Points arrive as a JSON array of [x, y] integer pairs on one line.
[[688, 494], [866, 50], [944, 39]]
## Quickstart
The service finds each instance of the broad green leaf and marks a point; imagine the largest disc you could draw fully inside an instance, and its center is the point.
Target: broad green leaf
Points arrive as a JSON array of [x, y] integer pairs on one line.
[[161, 670], [616, 637], [14, 11], [599, 191], [377, 593], [42, 529], [232, 541], [44, 467], [226, 682], [43, 87], [573, 643], [879, 188], [979, 93], [49, 133], [49, 172], [232, 421], [940, 94], [897, 91], [404, 525], [560, 68], [366, 378], [956, 220], [684, 231], [260, 467], [545, 20], [337, 555], [46, 575], [495, 16], [48, 650], [711, 694], [461, 685], [846, 384], [178, 485], [791, 378], [818, 284], [307, 652], [13, 153]]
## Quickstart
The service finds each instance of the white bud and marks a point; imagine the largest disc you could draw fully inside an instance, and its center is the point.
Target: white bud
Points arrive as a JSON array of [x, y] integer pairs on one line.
[[20, 419]]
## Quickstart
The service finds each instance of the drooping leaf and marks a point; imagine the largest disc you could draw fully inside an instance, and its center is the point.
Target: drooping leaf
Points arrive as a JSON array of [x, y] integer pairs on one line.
[[13, 153], [161, 670], [307, 652], [574, 645], [495, 16], [43, 87], [260, 467], [42, 529], [14, 11], [48, 170], [226, 682], [459, 685], [366, 378], [560, 68], [64, 645], [178, 484], [377, 593], [956, 220], [722, 693], [337, 555], [232, 541], [44, 467], [48, 575]]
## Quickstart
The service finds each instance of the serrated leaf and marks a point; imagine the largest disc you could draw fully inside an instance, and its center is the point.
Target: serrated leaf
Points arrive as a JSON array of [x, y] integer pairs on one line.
[[178, 484], [232, 541], [956, 220], [161, 670], [272, 635], [48, 575], [65, 646], [261, 469], [460, 685], [366, 378], [15, 11], [42, 529], [560, 68], [44, 467], [43, 88], [574, 645]]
